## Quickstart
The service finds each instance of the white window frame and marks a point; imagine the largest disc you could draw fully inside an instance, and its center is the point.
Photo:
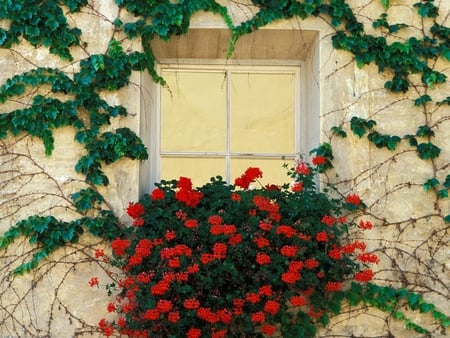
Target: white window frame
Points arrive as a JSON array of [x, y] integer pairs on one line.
[[215, 65]]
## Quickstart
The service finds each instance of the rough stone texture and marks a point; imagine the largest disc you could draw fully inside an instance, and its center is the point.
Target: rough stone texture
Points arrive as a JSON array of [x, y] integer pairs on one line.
[[409, 233]]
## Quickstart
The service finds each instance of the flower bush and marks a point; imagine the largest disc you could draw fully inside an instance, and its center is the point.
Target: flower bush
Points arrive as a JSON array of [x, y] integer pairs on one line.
[[227, 260]]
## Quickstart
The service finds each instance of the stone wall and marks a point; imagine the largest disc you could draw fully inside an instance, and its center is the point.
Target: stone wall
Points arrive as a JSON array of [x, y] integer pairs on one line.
[[409, 235]]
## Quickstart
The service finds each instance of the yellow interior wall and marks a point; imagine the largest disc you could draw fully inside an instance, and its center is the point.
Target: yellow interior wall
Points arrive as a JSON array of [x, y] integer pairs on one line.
[[194, 119]]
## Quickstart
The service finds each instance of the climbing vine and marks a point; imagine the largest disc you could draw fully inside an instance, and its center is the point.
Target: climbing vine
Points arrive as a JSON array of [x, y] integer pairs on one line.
[[59, 99]]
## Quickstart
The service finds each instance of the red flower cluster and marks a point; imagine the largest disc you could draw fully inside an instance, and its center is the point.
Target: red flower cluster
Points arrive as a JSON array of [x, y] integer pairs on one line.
[[215, 256], [333, 286], [248, 177], [106, 328], [135, 210], [365, 225], [157, 194], [93, 282], [328, 220], [353, 199], [186, 194], [302, 168], [364, 276], [318, 160], [298, 301], [265, 204], [119, 246], [297, 187]]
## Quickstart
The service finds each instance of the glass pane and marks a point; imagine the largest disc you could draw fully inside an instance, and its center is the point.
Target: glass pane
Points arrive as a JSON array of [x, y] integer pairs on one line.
[[193, 116], [262, 113], [199, 170], [272, 168]]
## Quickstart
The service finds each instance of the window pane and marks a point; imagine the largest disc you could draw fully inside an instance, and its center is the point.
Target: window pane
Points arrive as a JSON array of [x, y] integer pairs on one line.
[[193, 111], [262, 113], [200, 170], [272, 168]]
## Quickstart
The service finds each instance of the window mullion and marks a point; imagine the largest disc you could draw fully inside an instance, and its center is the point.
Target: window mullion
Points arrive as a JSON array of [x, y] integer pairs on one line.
[[228, 112]]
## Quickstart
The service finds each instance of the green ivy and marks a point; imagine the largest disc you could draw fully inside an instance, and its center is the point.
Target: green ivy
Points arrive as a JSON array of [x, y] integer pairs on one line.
[[41, 24]]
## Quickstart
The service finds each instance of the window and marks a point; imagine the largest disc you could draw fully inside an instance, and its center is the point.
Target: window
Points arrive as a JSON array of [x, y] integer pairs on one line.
[[220, 120], [218, 116]]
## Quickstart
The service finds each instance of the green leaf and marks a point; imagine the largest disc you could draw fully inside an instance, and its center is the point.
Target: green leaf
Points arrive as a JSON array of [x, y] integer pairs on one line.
[[381, 141], [424, 131], [444, 101], [430, 183], [411, 140], [427, 9], [359, 126], [447, 182], [443, 193], [385, 4], [338, 131], [428, 151], [85, 199], [422, 100], [32, 31]]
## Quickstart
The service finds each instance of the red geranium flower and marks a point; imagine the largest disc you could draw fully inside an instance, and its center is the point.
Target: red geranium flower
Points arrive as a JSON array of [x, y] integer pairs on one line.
[[272, 307], [364, 276], [365, 225], [263, 258], [157, 194], [302, 168], [93, 282], [184, 183], [119, 246], [333, 286], [173, 316], [191, 223], [353, 199], [151, 314], [297, 187], [191, 304], [268, 329], [248, 177], [368, 258], [258, 317], [318, 160], [298, 301], [322, 236], [328, 220], [164, 306], [194, 333], [135, 210]]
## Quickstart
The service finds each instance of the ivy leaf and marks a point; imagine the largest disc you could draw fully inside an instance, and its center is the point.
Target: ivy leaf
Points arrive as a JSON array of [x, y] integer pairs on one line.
[[411, 140], [3, 36], [380, 140], [428, 151], [338, 131], [445, 101], [430, 183], [422, 100], [447, 219], [447, 182], [424, 131], [395, 28], [427, 9], [430, 78], [85, 199], [445, 52], [385, 4], [443, 193], [359, 126]]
